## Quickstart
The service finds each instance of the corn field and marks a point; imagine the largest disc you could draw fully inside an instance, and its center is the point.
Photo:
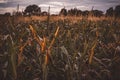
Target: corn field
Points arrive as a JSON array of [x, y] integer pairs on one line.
[[61, 49]]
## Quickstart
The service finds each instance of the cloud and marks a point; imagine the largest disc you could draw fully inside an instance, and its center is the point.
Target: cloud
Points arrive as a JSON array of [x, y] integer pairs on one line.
[[4, 10], [3, 1], [55, 10], [83, 7], [46, 5], [52, 4], [9, 3], [56, 5]]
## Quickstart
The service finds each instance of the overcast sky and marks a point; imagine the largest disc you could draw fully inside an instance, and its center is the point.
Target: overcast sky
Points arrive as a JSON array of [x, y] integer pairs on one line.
[[56, 5]]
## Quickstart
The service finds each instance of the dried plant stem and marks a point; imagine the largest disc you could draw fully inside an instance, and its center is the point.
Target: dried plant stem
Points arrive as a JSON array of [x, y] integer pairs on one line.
[[20, 57], [92, 52]]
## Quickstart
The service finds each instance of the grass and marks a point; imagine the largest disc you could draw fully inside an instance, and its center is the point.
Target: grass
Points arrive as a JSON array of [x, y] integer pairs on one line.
[[73, 48]]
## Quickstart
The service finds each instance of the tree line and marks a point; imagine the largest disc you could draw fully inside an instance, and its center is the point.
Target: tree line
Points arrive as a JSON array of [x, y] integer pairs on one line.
[[77, 12], [111, 12], [36, 10]]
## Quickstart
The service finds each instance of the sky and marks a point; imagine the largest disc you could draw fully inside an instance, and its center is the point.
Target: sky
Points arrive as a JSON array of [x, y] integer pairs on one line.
[[57, 5]]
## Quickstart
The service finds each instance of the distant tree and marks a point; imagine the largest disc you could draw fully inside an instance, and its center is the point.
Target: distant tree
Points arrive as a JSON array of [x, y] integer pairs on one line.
[[79, 13], [70, 12], [74, 12], [32, 10], [18, 13], [7, 14], [117, 11], [97, 13], [44, 13], [110, 12], [85, 13], [63, 12]]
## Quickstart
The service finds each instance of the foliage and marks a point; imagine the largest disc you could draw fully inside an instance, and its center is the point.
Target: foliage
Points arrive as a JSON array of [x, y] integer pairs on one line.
[[113, 12], [97, 13], [32, 10], [117, 11], [63, 12], [85, 50], [74, 11], [7, 14], [110, 12]]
